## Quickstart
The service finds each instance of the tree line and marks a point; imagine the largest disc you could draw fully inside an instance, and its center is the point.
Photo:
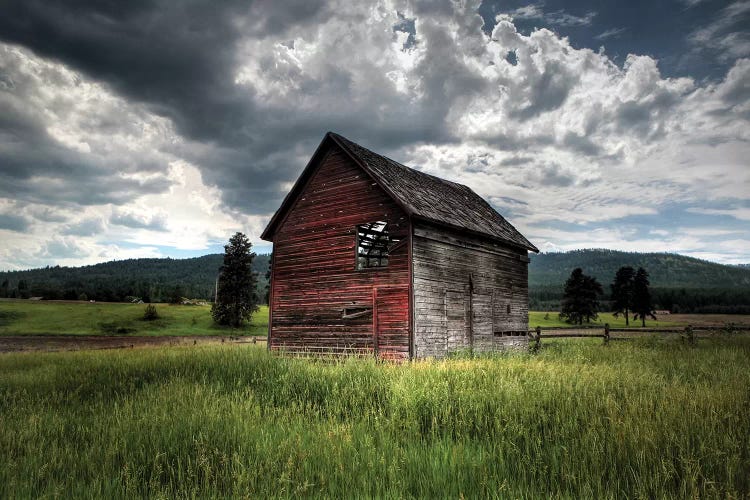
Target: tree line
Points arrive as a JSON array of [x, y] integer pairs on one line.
[[665, 270], [675, 300], [680, 284], [149, 280], [629, 292]]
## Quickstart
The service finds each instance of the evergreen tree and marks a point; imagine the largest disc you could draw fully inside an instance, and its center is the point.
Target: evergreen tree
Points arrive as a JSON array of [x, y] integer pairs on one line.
[[236, 298], [622, 292], [4, 289], [642, 304], [177, 295], [581, 298], [23, 290]]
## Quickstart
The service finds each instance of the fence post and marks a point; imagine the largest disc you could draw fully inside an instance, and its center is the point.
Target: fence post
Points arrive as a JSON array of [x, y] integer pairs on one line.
[[689, 334], [606, 333], [538, 337]]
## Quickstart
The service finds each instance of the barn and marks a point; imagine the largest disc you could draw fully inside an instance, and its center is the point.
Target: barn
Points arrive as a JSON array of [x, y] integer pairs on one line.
[[371, 256]]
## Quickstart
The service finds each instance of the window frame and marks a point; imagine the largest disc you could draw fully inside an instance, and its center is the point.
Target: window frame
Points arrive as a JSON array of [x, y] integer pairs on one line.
[[380, 258]]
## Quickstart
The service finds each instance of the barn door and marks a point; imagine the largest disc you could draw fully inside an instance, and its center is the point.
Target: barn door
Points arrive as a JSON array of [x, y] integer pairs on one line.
[[481, 319], [391, 318], [458, 328]]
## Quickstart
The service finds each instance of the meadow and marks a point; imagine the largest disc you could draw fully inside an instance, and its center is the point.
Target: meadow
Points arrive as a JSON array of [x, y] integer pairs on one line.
[[550, 319], [651, 418], [25, 317]]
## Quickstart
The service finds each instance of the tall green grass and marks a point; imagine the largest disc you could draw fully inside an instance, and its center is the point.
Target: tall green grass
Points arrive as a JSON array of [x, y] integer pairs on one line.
[[648, 418]]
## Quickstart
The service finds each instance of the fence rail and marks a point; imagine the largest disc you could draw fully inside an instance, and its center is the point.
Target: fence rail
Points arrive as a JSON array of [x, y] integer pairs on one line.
[[688, 332]]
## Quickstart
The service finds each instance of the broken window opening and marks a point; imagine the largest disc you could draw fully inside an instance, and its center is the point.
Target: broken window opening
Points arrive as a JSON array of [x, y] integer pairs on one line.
[[373, 245], [355, 312]]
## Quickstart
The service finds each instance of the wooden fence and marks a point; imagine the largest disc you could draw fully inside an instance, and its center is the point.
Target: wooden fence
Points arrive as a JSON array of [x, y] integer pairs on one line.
[[536, 335]]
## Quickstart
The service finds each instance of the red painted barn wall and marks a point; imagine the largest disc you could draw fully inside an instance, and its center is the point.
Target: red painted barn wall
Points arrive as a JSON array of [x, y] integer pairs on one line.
[[314, 272]]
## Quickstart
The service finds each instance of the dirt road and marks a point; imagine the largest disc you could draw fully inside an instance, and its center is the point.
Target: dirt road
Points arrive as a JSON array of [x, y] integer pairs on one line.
[[19, 343]]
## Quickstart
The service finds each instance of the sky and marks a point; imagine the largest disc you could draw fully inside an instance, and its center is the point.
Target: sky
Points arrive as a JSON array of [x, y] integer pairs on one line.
[[155, 128]]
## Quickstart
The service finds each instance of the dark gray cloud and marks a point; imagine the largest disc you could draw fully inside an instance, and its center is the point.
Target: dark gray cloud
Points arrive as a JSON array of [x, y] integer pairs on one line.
[[87, 227], [551, 174], [516, 160], [547, 91], [46, 214], [70, 178], [173, 56], [36, 167], [176, 58], [133, 221], [180, 60], [581, 144], [736, 89], [13, 222], [646, 116]]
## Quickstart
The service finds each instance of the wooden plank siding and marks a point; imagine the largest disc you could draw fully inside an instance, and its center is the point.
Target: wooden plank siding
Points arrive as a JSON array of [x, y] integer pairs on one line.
[[469, 293], [314, 276]]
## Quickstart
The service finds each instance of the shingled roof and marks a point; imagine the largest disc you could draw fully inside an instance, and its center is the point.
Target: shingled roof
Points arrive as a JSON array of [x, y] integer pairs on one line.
[[421, 195]]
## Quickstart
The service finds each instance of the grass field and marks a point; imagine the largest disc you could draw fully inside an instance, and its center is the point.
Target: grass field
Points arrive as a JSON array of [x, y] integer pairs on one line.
[[23, 317], [648, 418], [551, 319]]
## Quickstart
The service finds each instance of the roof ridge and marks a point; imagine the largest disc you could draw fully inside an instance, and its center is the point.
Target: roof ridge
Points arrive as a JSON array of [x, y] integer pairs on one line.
[[421, 172], [433, 198]]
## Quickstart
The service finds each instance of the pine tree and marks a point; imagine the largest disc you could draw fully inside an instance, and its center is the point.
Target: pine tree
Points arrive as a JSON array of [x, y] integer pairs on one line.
[[642, 305], [581, 298], [23, 290], [177, 294], [622, 292], [236, 298]]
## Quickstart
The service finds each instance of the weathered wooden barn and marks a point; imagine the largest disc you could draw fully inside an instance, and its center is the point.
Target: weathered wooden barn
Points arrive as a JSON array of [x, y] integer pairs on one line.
[[373, 256]]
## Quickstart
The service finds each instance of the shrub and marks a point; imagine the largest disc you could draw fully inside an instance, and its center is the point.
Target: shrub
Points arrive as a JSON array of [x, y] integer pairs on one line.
[[150, 313]]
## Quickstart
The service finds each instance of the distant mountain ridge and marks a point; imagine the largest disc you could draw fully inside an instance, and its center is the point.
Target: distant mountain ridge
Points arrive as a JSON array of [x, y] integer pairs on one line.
[[666, 270], [679, 282], [151, 279]]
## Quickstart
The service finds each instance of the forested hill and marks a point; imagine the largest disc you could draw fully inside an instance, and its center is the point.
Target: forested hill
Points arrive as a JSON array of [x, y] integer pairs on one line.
[[666, 270], [149, 279], [678, 282]]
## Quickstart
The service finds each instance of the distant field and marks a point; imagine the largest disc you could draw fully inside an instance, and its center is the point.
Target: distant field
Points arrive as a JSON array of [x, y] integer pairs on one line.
[[537, 318], [651, 418], [24, 317]]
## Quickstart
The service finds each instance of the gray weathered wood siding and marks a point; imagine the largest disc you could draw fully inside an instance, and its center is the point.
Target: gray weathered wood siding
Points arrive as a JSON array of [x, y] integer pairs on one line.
[[469, 293]]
